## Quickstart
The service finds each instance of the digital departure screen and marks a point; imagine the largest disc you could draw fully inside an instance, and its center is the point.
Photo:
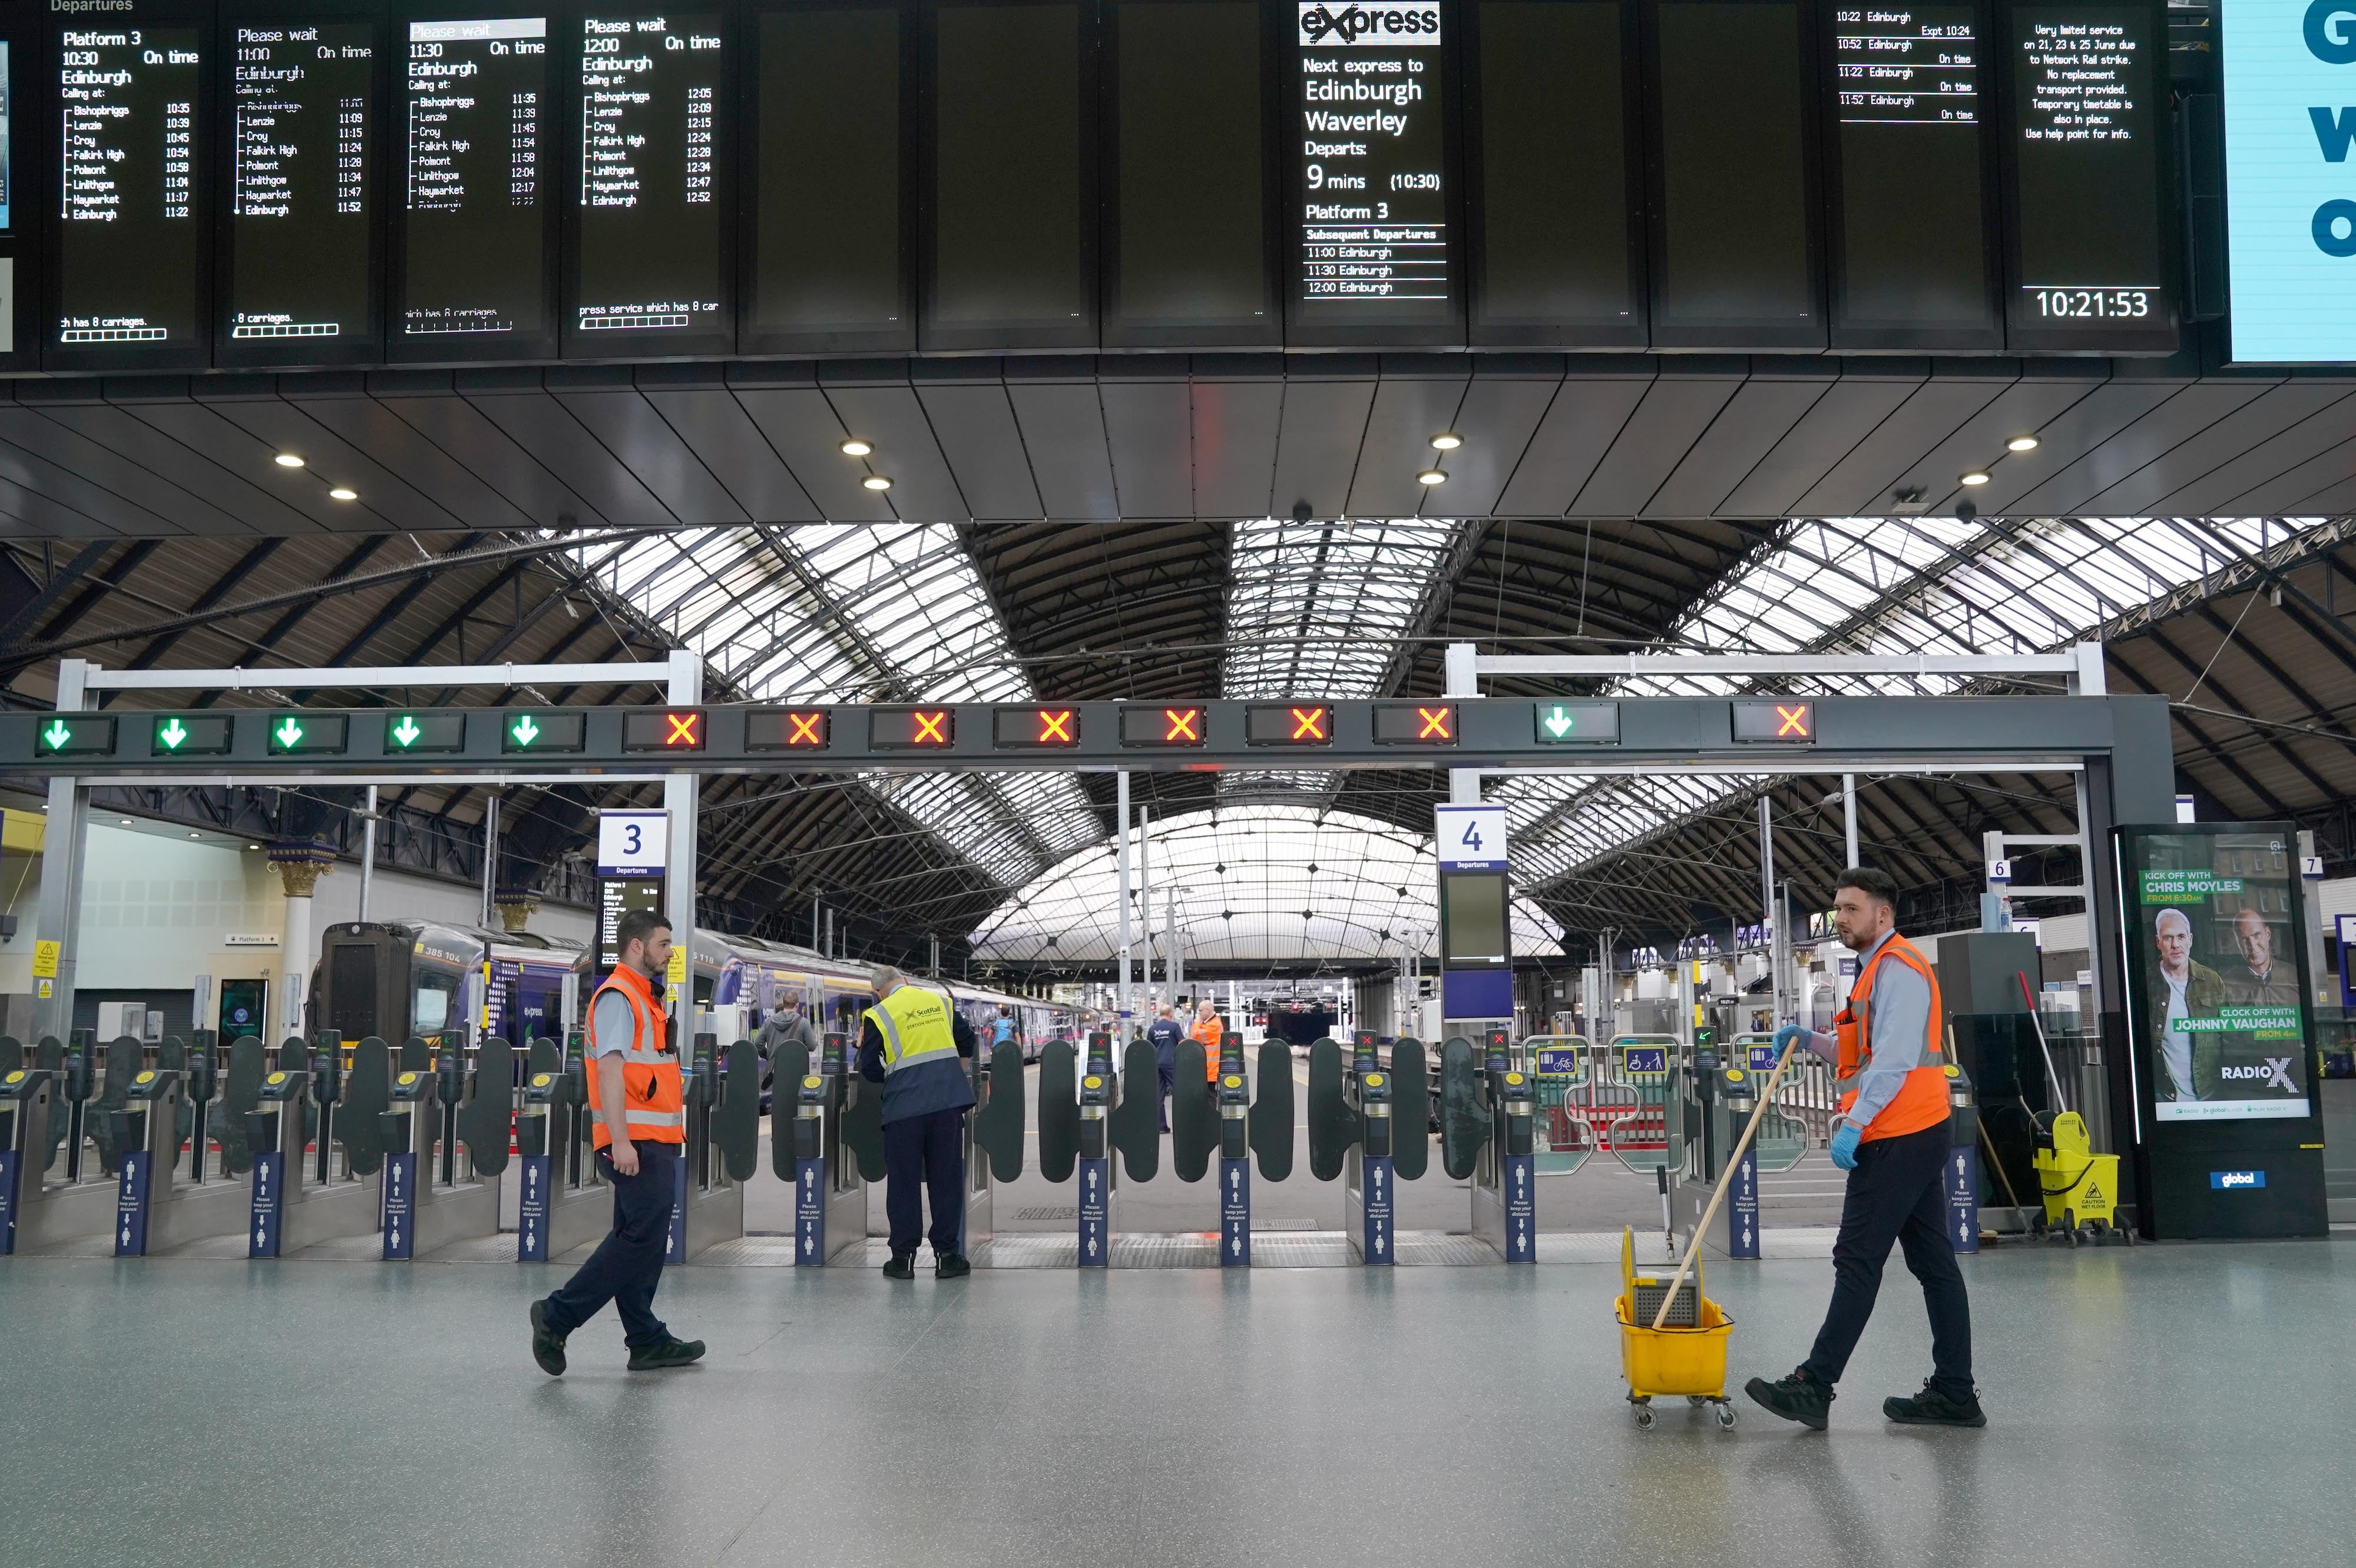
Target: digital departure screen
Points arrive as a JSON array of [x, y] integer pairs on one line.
[[300, 284], [653, 233], [1373, 240], [131, 274], [827, 264], [1557, 256], [1737, 256], [2090, 265], [1912, 261], [477, 255]]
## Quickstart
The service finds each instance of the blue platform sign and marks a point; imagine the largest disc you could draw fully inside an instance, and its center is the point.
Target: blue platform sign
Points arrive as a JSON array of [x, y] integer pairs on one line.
[[810, 1212], [400, 1205], [2290, 181], [1964, 1198], [269, 1202], [130, 1204], [8, 1165], [1235, 1214], [675, 1238], [1647, 1059], [1521, 1208], [1742, 1206], [1556, 1062], [531, 1209], [1381, 1184], [1096, 1213]]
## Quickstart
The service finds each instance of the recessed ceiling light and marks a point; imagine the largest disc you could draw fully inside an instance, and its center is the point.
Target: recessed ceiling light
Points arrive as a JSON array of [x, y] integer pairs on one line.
[[195, 835], [288, 460], [2022, 444], [341, 494], [1447, 441], [254, 846], [1431, 477], [876, 482], [855, 448], [1975, 478]]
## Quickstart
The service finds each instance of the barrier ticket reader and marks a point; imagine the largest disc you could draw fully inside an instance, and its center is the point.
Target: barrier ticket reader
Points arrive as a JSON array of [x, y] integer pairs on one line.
[[1095, 1167], [830, 1190], [1235, 1158], [535, 1164], [24, 1125], [1369, 1182], [1505, 1180], [148, 1138]]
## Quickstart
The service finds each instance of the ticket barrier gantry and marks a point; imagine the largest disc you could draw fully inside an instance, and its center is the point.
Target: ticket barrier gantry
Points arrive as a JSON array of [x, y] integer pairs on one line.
[[1504, 1175], [1724, 1090], [561, 1204], [423, 1210], [79, 1208], [291, 1207], [723, 1094], [834, 1149]]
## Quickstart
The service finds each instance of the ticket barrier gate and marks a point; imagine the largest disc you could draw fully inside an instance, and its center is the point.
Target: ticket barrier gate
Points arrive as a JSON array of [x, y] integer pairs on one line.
[[1562, 1138], [832, 1151], [561, 1204], [1504, 1178], [722, 1149], [79, 1208], [290, 1207], [1723, 1089], [24, 1140]]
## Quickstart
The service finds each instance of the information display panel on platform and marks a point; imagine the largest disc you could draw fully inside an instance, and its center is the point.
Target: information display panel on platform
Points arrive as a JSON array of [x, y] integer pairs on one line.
[[1188, 121], [1553, 147], [2290, 209], [301, 253], [829, 259], [21, 60], [1736, 250], [2091, 270], [650, 246], [474, 231], [130, 268], [1376, 214], [1910, 178], [1010, 250]]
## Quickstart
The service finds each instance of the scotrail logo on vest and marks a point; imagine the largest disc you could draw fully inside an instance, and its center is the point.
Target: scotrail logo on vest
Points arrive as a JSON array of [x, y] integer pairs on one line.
[[2290, 182]]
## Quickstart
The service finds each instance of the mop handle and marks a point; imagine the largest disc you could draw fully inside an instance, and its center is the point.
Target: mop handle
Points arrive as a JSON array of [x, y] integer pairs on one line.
[[2038, 1025], [1693, 1239]]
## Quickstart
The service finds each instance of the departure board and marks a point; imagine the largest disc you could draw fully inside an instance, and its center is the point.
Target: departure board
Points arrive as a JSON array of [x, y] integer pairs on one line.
[[1736, 253], [652, 237], [1913, 262], [1373, 244], [2091, 262], [827, 270], [130, 274], [299, 279], [475, 264]]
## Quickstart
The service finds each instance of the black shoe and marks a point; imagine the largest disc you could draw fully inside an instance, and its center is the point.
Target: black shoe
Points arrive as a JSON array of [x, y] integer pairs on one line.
[[903, 1266], [1932, 1408], [547, 1348], [950, 1267], [1797, 1398], [669, 1353]]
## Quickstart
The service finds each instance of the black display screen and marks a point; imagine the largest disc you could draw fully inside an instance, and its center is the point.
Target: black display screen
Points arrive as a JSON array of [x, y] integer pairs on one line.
[[476, 256], [2090, 264], [1012, 243], [300, 278], [827, 264], [7, 135], [1373, 252], [1189, 236], [1557, 256], [130, 248], [653, 267], [1910, 112], [1735, 223]]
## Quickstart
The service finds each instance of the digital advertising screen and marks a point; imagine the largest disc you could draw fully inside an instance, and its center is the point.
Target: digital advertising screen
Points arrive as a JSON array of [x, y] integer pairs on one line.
[[475, 260], [2217, 994], [299, 277], [2085, 162], [130, 279], [1374, 241], [652, 235], [2290, 204]]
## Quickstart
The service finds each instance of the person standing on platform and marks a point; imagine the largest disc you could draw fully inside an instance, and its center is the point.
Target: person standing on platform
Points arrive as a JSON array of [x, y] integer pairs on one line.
[[1207, 1029], [641, 1122], [913, 1043], [1891, 1079], [1163, 1035], [787, 1027]]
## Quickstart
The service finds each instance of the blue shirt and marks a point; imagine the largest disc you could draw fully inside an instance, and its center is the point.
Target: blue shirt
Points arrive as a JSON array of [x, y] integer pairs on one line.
[[1163, 1035]]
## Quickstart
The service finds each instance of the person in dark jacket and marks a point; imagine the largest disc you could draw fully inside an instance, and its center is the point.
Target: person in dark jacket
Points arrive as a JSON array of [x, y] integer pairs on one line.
[[1163, 1035], [916, 1045]]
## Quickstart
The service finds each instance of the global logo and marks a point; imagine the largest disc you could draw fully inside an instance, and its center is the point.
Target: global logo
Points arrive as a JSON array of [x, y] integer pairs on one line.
[[1320, 24], [2274, 1074], [2224, 1179]]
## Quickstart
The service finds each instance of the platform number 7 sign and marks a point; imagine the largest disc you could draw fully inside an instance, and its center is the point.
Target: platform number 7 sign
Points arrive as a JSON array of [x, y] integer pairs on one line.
[[1471, 838]]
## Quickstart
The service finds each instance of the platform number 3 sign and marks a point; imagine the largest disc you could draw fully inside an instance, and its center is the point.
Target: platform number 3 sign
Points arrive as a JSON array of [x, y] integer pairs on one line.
[[1471, 838], [631, 844]]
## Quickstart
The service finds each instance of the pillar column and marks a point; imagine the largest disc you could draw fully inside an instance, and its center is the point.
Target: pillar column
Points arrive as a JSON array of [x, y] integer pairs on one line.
[[300, 863]]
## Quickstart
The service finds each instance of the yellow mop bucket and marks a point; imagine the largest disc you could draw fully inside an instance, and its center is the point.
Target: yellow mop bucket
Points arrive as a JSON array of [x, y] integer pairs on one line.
[[2081, 1187], [1686, 1355]]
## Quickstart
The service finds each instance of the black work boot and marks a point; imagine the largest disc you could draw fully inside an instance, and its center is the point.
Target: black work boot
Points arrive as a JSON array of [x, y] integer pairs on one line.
[[669, 1353], [903, 1266], [950, 1267], [1932, 1408], [547, 1348], [1797, 1398]]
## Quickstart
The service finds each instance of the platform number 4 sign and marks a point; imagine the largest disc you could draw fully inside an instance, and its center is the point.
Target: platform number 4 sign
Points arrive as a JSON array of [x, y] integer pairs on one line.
[[1471, 838]]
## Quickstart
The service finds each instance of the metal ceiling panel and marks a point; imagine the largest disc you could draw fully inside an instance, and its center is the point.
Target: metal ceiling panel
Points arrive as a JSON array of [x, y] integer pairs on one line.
[[372, 429], [1318, 436], [37, 516], [1149, 434], [643, 442], [806, 431], [1500, 414], [1063, 430], [974, 424], [1860, 484], [2290, 490], [1235, 431], [212, 490], [1408, 412], [478, 445], [54, 459], [1579, 428], [1762, 413], [2102, 413], [2027, 407], [233, 454], [275, 425], [2337, 496], [2199, 466], [545, 428], [2194, 408], [715, 427], [1820, 438], [1662, 428]]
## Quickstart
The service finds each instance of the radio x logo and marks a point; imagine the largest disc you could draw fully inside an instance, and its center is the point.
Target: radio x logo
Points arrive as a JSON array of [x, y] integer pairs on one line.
[[2276, 1074]]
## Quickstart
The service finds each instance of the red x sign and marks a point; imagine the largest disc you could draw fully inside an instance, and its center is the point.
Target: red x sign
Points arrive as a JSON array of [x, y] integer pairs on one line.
[[1309, 723]]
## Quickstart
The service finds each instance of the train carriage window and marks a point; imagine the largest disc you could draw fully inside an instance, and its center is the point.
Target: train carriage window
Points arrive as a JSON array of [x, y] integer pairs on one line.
[[432, 1004]]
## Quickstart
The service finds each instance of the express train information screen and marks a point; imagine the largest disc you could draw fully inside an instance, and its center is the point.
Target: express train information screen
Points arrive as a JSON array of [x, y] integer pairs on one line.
[[475, 265], [1374, 238], [2091, 269], [301, 284], [131, 274], [651, 230]]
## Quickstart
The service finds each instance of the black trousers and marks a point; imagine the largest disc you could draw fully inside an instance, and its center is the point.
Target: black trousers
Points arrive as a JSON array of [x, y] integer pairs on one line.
[[628, 1263], [1898, 1193], [1167, 1072], [920, 1153]]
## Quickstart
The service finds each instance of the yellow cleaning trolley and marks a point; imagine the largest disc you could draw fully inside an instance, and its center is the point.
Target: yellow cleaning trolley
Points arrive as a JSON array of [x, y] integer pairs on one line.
[[1686, 1355]]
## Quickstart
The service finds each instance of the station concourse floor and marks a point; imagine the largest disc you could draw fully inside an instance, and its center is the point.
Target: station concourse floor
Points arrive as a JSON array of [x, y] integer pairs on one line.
[[2153, 1406]]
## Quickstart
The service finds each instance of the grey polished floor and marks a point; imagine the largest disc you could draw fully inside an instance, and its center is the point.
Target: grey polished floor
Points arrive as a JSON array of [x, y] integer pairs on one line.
[[2162, 1405]]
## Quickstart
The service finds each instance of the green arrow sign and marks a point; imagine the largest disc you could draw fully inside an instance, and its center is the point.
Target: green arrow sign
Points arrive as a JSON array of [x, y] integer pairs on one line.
[[406, 732], [1577, 724], [57, 735], [288, 732], [525, 730], [1559, 721], [172, 732]]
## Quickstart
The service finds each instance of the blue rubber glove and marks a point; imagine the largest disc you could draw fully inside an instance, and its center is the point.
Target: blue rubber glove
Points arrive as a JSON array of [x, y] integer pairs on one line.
[[1786, 1034], [1845, 1144]]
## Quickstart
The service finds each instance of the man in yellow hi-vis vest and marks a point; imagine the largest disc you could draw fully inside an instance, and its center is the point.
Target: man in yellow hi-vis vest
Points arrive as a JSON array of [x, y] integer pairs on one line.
[[641, 1122], [915, 1044]]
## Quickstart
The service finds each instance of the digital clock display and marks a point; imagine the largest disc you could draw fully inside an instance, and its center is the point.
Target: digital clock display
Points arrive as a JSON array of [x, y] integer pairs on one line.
[[2085, 167], [299, 282]]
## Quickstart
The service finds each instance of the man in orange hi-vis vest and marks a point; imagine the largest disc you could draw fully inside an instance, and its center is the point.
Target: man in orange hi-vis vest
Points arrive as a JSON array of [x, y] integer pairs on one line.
[[1893, 1139], [641, 1122]]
